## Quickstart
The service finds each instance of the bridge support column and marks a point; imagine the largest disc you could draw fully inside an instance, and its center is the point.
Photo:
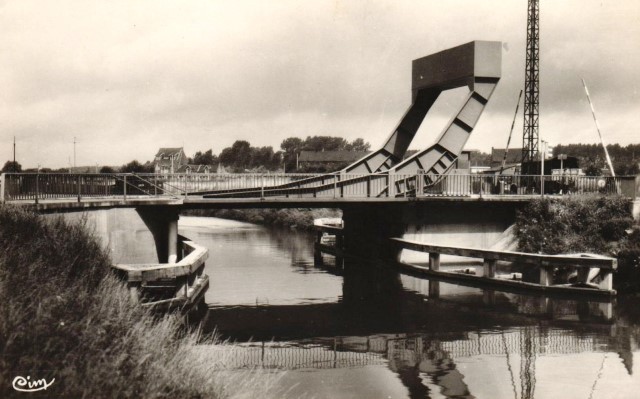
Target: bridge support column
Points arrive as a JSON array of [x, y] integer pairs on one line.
[[134, 291], [434, 261], [546, 275], [489, 297], [489, 268], [368, 227], [636, 207], [162, 222], [2, 187], [172, 241], [434, 289]]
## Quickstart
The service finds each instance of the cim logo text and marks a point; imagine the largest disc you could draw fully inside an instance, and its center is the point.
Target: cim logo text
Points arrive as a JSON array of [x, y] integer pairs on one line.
[[28, 385]]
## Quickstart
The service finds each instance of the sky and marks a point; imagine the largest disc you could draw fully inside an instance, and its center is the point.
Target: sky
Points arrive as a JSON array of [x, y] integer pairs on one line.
[[127, 77]]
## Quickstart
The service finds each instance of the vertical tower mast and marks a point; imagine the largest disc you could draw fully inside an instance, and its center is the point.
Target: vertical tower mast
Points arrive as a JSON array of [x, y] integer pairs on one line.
[[531, 85]]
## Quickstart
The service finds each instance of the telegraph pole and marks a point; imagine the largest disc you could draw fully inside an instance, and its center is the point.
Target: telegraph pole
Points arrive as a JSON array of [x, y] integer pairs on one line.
[[74, 152], [15, 169]]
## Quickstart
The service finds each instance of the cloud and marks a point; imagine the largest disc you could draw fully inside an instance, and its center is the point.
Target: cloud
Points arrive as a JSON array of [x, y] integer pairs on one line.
[[127, 77]]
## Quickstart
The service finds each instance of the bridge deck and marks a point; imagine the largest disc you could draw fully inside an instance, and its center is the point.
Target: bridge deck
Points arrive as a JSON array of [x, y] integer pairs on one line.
[[199, 202], [58, 191]]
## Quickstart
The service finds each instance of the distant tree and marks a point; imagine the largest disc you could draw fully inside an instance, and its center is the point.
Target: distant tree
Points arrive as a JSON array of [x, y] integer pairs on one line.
[[262, 156], [148, 167], [479, 158], [291, 147], [358, 145], [592, 170], [206, 158], [11, 166], [277, 160], [107, 169], [624, 159], [324, 143], [238, 155], [134, 167]]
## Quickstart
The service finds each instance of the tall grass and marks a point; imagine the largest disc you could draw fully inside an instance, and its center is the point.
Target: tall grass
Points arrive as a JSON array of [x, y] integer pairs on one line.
[[63, 315]]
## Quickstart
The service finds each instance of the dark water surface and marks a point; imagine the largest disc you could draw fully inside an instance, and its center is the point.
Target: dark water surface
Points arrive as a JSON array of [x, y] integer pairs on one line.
[[369, 332]]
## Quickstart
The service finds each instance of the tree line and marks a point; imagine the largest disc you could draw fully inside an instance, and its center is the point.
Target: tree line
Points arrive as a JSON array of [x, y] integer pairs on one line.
[[241, 156], [592, 159]]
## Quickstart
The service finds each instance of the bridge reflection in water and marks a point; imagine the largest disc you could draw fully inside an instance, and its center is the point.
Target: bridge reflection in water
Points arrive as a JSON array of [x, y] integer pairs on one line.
[[389, 319]]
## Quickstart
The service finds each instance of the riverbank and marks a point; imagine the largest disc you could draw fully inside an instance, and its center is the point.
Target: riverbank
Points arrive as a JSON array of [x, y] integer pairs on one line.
[[601, 225], [66, 319], [295, 218]]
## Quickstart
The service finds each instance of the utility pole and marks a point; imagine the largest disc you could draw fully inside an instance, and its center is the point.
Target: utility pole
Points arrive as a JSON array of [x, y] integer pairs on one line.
[[506, 150], [15, 169], [543, 153], [531, 85], [74, 152]]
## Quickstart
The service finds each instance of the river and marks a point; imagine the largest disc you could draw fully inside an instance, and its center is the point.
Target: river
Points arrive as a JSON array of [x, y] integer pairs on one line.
[[365, 331]]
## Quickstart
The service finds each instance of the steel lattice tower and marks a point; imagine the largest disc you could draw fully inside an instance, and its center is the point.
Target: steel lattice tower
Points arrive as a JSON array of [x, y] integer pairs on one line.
[[531, 85]]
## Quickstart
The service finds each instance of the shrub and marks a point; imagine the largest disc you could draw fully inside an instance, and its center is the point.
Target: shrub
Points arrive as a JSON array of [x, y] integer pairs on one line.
[[602, 225], [576, 224]]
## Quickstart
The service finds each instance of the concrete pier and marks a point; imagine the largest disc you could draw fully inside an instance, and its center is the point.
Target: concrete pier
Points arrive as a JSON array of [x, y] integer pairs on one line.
[[367, 228]]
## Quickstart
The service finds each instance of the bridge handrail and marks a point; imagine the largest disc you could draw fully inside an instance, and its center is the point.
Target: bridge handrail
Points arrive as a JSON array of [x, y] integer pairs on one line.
[[150, 182], [575, 260], [147, 272], [30, 186]]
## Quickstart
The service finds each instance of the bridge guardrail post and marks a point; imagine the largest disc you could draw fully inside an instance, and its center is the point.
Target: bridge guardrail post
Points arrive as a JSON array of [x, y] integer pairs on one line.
[[124, 186], [3, 184], [391, 184], [37, 184]]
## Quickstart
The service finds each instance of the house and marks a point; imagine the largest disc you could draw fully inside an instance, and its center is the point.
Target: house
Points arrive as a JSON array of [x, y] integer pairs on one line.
[[327, 160], [169, 160]]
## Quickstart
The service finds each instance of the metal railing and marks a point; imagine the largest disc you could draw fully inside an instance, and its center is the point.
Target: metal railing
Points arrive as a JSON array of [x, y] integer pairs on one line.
[[47, 186], [468, 185]]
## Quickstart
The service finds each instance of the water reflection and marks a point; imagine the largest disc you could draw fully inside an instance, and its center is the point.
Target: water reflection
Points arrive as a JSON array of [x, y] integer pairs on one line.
[[251, 265], [368, 331]]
